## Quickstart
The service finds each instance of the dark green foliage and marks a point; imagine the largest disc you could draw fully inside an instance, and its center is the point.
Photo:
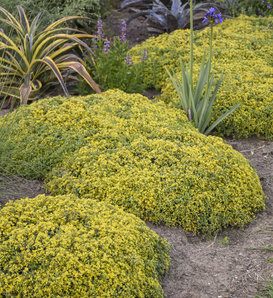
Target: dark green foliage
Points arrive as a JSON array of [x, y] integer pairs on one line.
[[56, 9], [250, 7]]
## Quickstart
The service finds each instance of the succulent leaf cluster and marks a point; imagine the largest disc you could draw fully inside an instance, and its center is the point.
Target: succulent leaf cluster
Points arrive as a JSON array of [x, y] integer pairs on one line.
[[167, 16], [32, 60]]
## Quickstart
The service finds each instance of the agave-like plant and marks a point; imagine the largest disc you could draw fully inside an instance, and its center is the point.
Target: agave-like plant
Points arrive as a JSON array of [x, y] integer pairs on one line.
[[197, 99], [164, 16], [30, 57]]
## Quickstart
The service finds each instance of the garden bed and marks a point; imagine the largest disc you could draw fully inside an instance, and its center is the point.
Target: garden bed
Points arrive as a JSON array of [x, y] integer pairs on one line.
[[229, 265], [235, 262]]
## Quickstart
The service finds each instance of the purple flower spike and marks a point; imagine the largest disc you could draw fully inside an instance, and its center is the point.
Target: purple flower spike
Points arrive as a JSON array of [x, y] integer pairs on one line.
[[99, 30], [123, 31], [128, 60], [268, 5], [210, 13], [106, 46], [144, 56]]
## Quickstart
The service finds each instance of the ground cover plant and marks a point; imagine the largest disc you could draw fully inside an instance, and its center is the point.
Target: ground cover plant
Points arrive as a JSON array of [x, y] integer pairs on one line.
[[142, 165], [143, 156], [63, 246], [242, 51]]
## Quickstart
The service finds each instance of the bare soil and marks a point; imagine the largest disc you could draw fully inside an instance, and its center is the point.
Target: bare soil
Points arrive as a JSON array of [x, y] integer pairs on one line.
[[234, 264], [13, 188], [136, 32]]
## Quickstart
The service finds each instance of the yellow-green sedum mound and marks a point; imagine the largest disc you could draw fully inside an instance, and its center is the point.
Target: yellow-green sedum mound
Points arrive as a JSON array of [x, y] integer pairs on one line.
[[143, 156], [66, 247], [242, 52]]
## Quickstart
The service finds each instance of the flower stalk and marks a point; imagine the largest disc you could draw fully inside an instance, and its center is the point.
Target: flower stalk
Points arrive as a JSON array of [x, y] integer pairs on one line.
[[191, 39]]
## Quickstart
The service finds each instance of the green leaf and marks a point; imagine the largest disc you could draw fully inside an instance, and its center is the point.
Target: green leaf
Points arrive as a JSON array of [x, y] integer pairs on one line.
[[221, 118]]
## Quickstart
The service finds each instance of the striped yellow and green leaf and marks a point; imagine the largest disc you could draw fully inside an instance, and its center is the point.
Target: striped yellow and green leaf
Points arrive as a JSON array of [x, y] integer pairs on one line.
[[30, 57]]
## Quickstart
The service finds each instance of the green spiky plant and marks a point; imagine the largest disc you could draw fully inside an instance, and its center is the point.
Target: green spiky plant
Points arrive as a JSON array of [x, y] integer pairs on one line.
[[197, 99], [32, 59]]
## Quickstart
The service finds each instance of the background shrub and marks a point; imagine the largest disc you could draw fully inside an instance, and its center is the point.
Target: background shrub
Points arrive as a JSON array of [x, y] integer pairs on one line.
[[63, 246], [243, 52], [56, 9], [250, 7], [143, 156]]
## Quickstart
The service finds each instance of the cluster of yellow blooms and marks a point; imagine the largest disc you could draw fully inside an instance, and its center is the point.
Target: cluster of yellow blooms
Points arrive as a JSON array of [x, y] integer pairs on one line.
[[242, 52], [67, 247]]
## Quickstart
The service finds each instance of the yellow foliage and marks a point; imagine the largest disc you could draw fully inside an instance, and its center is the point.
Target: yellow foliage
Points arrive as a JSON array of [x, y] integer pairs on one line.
[[66, 247], [242, 52], [145, 157]]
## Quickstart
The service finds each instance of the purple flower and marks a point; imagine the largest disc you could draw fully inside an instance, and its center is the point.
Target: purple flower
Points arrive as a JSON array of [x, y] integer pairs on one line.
[[99, 30], [144, 56], [106, 46], [94, 45], [128, 60], [210, 13], [219, 18], [261, 14], [268, 4], [211, 17], [123, 31]]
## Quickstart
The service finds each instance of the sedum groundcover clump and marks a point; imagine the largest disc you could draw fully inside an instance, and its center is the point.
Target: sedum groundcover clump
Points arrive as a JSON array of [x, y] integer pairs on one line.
[[142, 156], [242, 52], [66, 247]]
